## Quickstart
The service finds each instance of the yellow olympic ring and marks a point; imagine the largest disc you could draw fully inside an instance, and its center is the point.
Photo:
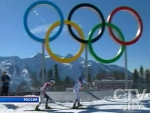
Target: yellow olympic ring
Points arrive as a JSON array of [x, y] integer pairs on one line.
[[65, 60]]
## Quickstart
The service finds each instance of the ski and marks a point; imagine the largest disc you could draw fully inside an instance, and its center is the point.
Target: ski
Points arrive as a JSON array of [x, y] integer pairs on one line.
[[36, 110], [48, 110], [82, 107], [76, 108]]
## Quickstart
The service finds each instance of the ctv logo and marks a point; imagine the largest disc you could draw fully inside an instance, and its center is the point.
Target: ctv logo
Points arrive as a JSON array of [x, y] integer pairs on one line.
[[131, 105]]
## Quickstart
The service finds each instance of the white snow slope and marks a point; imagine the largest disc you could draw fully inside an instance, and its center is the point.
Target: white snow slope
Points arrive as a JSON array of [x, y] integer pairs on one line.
[[105, 105]]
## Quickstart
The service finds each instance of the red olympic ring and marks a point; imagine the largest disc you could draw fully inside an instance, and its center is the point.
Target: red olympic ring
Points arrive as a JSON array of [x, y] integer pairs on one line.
[[140, 24]]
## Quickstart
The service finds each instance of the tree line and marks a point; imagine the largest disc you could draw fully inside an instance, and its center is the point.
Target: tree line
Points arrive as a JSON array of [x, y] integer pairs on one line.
[[60, 84], [141, 79]]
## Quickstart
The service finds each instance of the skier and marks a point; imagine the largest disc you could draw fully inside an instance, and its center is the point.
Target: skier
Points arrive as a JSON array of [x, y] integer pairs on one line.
[[76, 89], [43, 94]]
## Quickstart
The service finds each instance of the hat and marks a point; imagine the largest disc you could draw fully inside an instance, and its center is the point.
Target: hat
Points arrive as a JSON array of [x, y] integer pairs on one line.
[[82, 76], [4, 72]]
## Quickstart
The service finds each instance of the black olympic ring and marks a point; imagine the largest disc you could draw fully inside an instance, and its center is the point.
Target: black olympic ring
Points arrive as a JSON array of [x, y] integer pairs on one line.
[[100, 15]]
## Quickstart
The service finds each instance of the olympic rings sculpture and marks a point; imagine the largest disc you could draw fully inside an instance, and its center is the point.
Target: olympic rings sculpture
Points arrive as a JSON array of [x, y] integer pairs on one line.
[[81, 37]]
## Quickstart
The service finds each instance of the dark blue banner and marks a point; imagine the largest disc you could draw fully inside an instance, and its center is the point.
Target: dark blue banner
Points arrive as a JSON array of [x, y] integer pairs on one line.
[[19, 99]]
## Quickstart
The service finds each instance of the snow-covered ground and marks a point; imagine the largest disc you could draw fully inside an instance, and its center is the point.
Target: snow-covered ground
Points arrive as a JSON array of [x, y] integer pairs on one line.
[[105, 105]]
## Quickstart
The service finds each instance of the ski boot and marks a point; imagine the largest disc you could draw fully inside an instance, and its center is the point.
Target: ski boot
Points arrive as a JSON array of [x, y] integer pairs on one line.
[[79, 105], [74, 106], [47, 107], [37, 108]]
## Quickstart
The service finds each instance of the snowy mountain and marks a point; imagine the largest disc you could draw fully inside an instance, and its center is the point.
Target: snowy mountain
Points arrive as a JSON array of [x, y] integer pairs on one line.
[[21, 69]]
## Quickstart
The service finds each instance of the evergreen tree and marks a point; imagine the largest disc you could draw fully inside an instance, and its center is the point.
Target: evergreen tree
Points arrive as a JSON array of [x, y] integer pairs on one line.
[[56, 73], [100, 75], [89, 77], [67, 83], [147, 74], [116, 75], [41, 76], [104, 74], [135, 79], [67, 80], [97, 77], [49, 75], [141, 72], [57, 79], [122, 76]]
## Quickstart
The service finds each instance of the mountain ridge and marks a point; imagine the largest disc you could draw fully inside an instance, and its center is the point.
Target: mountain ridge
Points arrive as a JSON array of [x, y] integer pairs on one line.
[[19, 69]]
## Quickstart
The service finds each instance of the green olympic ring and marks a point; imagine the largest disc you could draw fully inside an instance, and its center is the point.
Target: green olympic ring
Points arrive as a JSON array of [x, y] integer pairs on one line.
[[121, 50]]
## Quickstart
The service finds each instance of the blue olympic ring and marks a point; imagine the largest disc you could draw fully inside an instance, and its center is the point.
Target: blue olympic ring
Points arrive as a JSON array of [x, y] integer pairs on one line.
[[26, 16]]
